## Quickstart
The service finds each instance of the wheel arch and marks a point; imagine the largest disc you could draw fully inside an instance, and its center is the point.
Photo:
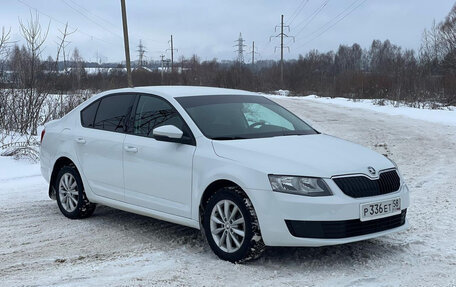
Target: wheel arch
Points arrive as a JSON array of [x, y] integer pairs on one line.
[[58, 164], [211, 189], [256, 244]]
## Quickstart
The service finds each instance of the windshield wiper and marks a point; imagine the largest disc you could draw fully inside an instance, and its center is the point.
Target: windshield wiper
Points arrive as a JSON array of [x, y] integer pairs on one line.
[[229, 138], [293, 134]]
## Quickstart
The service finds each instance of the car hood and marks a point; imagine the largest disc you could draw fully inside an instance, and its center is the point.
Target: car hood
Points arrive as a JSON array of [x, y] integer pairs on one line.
[[316, 155]]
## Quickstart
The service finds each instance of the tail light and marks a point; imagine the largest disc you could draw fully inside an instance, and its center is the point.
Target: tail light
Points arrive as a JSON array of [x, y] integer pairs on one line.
[[42, 135]]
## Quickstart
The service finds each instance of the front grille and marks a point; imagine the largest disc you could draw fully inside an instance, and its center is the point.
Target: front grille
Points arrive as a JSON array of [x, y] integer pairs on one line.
[[361, 186], [345, 228]]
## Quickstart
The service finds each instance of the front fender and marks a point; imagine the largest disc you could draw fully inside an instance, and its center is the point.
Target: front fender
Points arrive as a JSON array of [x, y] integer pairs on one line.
[[210, 168]]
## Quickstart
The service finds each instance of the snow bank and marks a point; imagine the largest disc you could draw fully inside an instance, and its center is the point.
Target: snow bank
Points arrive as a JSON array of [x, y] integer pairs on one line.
[[11, 168], [446, 117]]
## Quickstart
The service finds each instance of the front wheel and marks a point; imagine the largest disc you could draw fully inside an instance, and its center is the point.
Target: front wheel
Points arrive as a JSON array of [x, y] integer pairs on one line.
[[231, 226], [70, 194]]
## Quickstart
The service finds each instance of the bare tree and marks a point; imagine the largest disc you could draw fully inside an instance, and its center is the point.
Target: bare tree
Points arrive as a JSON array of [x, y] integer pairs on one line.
[[62, 45], [4, 40]]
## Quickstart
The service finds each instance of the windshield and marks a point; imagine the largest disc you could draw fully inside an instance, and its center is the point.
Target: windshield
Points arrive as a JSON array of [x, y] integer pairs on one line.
[[229, 117]]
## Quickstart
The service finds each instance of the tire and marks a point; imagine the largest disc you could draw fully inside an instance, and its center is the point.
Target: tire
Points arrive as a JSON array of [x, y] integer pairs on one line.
[[232, 246], [70, 195]]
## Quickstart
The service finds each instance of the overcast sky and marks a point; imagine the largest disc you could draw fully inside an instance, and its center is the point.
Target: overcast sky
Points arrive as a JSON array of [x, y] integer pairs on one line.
[[209, 28]]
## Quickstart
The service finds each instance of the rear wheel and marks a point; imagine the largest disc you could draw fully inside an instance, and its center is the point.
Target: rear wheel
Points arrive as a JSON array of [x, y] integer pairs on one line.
[[70, 194], [231, 226]]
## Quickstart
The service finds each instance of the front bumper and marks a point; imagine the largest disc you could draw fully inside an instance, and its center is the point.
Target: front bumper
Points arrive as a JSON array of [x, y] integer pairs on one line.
[[275, 209], [344, 228]]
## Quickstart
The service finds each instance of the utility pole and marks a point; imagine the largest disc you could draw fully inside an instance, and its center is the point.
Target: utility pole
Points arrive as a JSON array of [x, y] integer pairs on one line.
[[162, 61], [172, 52], [127, 47], [172, 55], [141, 51], [240, 49], [281, 35], [253, 52], [281, 50]]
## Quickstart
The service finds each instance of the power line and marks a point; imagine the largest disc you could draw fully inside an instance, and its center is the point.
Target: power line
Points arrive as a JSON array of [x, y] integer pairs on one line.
[[299, 10], [291, 16], [135, 35], [96, 15], [335, 18], [335, 23], [90, 19], [312, 17], [62, 23], [290, 9]]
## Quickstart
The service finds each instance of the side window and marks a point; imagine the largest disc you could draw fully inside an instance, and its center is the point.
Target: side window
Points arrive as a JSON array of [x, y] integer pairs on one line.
[[152, 112], [112, 112], [256, 113], [88, 114]]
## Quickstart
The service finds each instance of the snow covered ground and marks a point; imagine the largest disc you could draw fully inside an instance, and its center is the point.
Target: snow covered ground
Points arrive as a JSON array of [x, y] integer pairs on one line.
[[40, 247], [446, 115]]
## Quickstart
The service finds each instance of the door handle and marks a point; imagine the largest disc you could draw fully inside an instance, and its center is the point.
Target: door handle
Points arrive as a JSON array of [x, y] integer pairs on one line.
[[131, 149], [80, 140]]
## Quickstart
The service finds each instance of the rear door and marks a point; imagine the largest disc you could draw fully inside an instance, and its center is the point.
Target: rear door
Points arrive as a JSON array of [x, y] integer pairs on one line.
[[99, 144], [158, 174]]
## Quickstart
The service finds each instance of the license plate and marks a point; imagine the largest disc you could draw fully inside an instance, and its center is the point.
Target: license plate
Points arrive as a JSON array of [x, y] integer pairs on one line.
[[380, 209]]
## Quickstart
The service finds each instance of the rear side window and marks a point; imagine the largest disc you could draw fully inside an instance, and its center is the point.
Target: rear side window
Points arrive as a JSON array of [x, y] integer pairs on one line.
[[113, 111], [88, 115]]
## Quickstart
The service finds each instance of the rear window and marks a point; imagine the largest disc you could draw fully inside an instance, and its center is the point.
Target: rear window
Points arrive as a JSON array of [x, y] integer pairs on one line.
[[88, 115], [113, 111]]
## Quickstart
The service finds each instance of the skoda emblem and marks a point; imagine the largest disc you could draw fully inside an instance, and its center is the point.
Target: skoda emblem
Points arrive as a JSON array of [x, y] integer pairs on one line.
[[371, 170]]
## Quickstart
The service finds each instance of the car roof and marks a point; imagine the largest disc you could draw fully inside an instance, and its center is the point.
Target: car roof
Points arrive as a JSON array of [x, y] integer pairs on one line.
[[180, 91]]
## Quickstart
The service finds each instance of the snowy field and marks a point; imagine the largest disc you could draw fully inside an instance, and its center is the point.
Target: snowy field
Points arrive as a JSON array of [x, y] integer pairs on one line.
[[40, 247]]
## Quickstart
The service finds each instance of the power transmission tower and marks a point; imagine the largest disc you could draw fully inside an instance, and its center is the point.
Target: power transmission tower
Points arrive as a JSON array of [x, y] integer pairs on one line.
[[141, 51], [127, 47], [240, 49], [253, 52], [172, 52], [281, 35]]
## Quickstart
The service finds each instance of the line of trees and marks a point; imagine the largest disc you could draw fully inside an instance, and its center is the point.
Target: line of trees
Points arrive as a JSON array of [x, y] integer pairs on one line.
[[381, 71]]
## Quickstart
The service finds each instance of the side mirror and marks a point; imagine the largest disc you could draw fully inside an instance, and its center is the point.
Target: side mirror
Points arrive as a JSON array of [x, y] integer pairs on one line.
[[168, 133]]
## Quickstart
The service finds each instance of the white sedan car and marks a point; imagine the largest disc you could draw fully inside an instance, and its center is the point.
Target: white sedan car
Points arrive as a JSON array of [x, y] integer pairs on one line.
[[236, 165]]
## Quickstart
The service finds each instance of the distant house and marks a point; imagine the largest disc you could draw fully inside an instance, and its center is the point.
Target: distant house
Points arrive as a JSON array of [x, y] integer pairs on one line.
[[6, 77], [96, 70], [142, 68]]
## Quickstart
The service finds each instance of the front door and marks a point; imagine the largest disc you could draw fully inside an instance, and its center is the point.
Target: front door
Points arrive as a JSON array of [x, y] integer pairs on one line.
[[158, 174]]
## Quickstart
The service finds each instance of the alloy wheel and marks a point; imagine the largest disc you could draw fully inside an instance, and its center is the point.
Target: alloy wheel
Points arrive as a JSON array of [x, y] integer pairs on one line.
[[227, 226], [68, 192]]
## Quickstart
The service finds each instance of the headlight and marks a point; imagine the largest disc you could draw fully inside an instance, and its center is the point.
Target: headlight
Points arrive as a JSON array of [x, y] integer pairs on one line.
[[309, 186]]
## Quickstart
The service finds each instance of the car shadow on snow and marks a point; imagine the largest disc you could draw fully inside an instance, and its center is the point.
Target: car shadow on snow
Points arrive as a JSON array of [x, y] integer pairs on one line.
[[349, 255], [157, 233]]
